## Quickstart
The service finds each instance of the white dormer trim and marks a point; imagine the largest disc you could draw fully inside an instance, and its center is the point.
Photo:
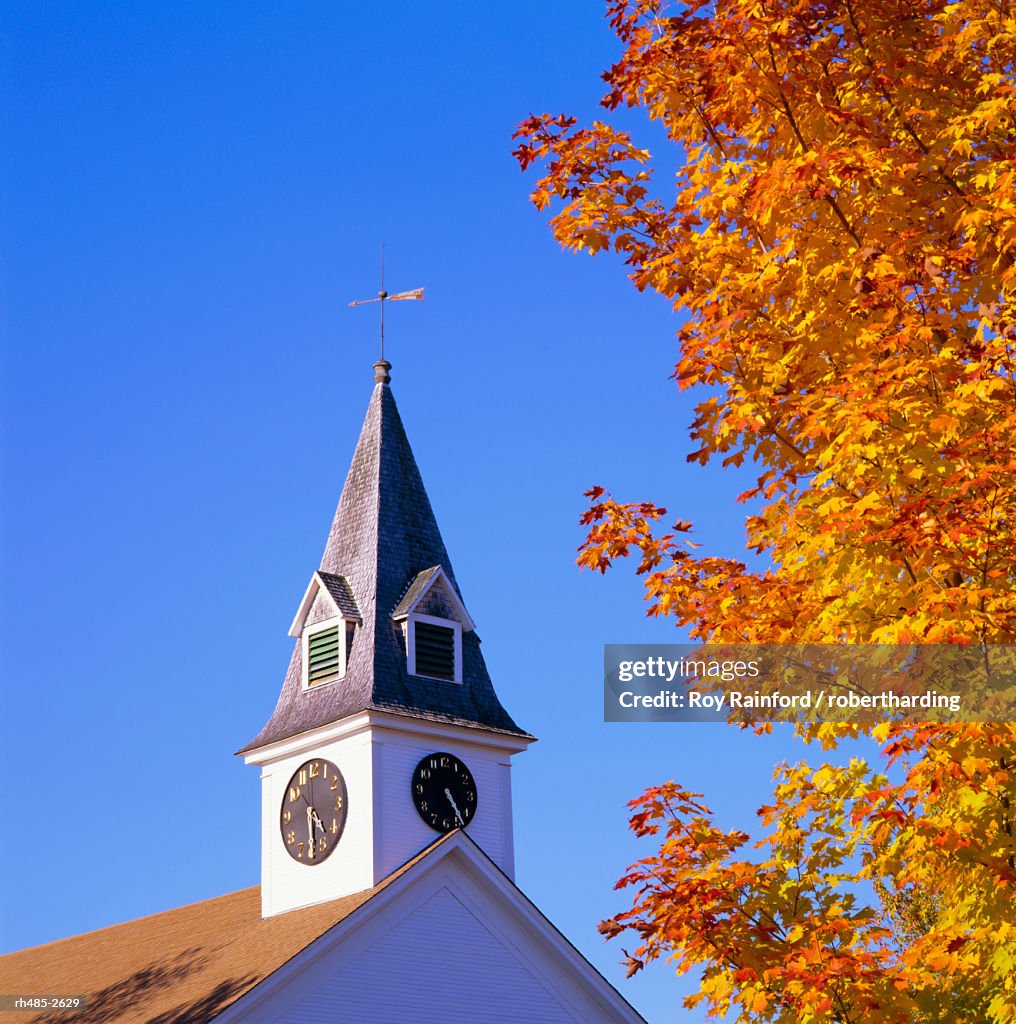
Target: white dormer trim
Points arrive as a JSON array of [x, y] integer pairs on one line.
[[315, 585], [465, 620], [312, 630], [410, 632]]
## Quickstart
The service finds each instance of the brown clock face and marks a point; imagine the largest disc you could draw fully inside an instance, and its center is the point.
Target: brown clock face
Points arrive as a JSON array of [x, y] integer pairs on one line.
[[313, 812]]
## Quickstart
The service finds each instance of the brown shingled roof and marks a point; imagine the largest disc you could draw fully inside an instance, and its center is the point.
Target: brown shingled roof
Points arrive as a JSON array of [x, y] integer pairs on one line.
[[182, 966]]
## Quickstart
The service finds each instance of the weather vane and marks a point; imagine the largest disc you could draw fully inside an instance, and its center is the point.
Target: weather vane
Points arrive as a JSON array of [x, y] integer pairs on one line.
[[383, 297]]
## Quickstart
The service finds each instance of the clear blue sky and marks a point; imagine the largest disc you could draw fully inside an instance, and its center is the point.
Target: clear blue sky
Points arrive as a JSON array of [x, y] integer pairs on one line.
[[192, 195]]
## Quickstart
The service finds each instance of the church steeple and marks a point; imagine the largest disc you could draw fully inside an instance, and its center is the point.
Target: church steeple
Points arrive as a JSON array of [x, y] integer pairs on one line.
[[386, 678], [383, 537]]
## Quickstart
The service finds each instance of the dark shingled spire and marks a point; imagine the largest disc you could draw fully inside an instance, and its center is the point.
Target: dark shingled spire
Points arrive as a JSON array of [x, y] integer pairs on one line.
[[383, 535]]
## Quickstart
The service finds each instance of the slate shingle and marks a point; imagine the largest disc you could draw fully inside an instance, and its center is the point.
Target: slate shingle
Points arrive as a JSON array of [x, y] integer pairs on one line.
[[338, 587], [416, 588]]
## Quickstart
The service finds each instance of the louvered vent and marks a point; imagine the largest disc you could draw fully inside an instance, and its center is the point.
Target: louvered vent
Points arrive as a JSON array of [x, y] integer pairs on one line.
[[322, 655], [435, 651]]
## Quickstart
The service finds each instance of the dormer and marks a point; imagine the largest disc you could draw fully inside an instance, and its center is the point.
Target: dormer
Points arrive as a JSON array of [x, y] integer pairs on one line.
[[325, 624], [433, 619]]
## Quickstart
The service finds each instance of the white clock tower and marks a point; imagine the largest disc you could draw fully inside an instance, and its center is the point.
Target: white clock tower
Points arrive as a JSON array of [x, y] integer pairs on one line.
[[387, 889], [387, 732]]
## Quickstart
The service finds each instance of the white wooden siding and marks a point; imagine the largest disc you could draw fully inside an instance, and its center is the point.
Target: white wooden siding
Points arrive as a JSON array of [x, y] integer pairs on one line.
[[286, 883], [383, 829], [322, 608], [403, 833], [438, 965], [449, 940]]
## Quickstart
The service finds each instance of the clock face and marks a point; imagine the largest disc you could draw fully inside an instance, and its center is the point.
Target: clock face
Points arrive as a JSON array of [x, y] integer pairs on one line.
[[313, 812], [444, 792]]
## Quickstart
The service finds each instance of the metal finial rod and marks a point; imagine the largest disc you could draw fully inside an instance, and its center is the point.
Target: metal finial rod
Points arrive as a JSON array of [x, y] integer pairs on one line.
[[383, 296]]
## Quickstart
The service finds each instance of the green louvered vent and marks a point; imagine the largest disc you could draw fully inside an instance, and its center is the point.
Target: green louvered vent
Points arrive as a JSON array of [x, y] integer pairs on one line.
[[322, 655], [435, 651]]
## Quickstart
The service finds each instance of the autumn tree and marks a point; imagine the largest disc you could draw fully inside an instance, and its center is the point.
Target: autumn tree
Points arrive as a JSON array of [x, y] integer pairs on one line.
[[840, 242]]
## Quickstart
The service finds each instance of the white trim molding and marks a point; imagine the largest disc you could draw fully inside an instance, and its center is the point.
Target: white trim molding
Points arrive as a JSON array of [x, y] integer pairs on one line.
[[352, 725]]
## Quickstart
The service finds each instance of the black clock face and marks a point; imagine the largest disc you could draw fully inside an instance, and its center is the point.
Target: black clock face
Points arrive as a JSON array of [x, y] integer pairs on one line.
[[444, 792], [313, 812]]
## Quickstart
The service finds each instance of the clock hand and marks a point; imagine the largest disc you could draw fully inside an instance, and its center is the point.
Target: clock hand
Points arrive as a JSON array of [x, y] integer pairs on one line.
[[317, 820], [310, 831], [455, 806]]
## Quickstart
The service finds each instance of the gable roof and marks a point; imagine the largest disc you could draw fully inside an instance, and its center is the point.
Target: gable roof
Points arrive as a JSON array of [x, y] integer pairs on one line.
[[183, 966], [383, 536], [416, 590], [339, 594], [338, 590], [419, 588], [219, 957], [452, 911]]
